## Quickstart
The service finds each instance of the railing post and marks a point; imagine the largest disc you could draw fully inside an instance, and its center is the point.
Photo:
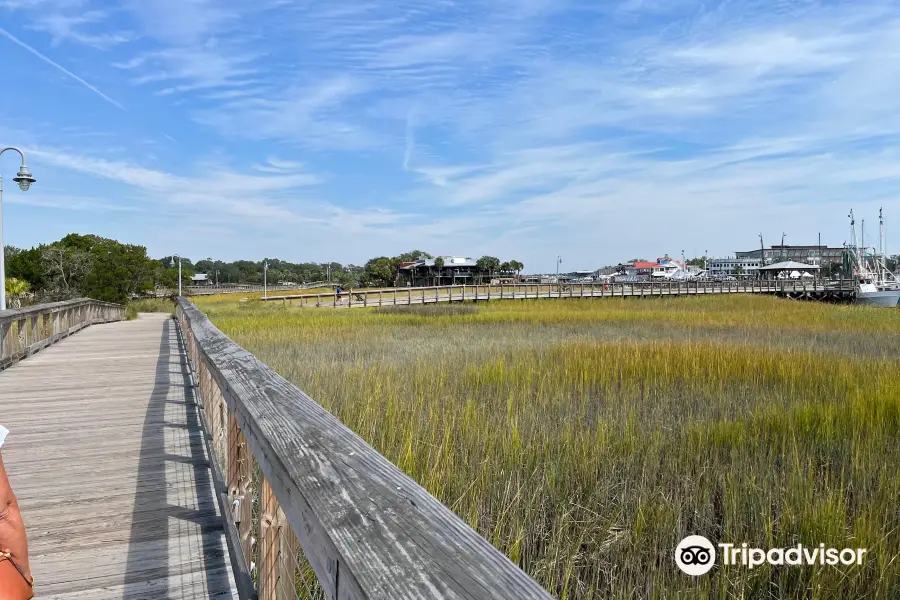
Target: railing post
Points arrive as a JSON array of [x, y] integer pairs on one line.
[[5, 350], [278, 549], [240, 470], [22, 331]]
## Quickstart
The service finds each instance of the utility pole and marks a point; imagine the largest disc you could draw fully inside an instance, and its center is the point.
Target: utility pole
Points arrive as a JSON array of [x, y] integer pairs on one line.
[[172, 264], [782, 246], [266, 279], [762, 256]]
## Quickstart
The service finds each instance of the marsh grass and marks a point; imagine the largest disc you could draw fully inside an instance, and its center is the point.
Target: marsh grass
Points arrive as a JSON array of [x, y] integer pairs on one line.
[[163, 305], [585, 438]]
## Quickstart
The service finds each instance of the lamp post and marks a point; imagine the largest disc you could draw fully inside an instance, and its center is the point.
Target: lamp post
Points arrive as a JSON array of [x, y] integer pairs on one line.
[[172, 264], [265, 279], [706, 260], [24, 179], [217, 278], [558, 262]]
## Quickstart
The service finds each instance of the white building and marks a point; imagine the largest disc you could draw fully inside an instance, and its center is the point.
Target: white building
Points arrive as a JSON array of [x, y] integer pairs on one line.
[[735, 267]]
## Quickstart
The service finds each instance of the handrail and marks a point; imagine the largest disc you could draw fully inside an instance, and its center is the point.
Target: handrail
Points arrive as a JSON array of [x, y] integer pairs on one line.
[[367, 530], [24, 331], [452, 293]]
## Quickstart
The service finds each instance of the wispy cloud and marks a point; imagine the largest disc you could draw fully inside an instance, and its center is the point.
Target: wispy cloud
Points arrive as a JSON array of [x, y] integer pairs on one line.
[[600, 128], [59, 67]]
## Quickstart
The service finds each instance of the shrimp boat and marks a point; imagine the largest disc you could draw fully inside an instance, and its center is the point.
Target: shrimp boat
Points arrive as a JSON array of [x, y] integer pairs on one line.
[[875, 284]]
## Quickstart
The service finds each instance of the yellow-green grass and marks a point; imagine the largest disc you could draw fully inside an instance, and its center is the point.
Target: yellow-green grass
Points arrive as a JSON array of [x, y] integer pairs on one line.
[[585, 438], [163, 305], [237, 296]]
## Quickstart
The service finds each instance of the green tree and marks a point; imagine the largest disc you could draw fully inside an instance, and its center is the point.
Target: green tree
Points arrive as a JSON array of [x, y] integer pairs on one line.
[[487, 265], [380, 271], [118, 272], [516, 267], [15, 291], [66, 268], [413, 255], [439, 266], [26, 265]]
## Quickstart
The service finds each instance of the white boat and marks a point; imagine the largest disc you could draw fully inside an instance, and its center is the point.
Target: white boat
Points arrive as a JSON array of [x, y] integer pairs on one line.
[[875, 284]]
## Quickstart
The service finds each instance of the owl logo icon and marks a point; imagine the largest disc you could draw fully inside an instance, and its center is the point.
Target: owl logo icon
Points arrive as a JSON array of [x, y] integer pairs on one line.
[[695, 555]]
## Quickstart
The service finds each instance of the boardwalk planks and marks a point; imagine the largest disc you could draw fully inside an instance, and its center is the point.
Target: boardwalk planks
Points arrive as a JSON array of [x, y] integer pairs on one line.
[[106, 455]]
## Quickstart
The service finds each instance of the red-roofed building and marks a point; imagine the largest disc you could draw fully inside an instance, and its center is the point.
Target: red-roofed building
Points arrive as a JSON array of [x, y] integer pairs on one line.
[[663, 267]]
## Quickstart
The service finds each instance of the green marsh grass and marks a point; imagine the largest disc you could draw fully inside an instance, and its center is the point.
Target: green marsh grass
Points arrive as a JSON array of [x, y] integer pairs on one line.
[[148, 305], [585, 438]]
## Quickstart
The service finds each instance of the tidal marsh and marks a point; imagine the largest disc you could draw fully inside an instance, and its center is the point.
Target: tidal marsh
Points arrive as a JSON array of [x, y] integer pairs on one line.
[[585, 438]]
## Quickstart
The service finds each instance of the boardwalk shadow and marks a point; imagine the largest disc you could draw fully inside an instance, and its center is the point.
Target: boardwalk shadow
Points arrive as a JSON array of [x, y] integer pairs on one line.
[[176, 547]]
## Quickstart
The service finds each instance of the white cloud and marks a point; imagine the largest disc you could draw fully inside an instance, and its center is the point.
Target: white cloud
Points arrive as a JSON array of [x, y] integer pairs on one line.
[[306, 115]]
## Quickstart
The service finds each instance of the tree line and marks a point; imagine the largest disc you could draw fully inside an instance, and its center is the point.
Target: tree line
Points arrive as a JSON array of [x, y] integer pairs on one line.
[[385, 271], [106, 269]]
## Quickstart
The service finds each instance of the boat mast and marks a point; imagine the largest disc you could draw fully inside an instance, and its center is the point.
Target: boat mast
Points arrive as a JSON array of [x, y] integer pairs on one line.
[[862, 238], [854, 247]]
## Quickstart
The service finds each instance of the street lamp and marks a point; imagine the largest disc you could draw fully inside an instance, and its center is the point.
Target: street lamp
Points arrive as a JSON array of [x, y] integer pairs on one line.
[[266, 279], [24, 179], [172, 264], [558, 262]]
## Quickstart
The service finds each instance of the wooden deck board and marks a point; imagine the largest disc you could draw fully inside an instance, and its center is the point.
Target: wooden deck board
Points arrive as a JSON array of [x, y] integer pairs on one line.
[[107, 458]]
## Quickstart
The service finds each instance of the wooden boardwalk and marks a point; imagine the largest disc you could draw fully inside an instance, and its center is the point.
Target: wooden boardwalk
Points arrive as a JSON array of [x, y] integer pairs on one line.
[[107, 457], [837, 290]]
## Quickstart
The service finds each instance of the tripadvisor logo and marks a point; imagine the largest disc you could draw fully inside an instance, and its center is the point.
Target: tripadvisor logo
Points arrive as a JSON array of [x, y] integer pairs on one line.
[[696, 555]]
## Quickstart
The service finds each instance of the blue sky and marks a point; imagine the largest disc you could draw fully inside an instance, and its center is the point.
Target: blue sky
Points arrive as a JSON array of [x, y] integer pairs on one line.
[[526, 129]]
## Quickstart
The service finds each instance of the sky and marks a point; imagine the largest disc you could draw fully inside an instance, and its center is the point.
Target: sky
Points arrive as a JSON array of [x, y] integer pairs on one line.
[[315, 130]]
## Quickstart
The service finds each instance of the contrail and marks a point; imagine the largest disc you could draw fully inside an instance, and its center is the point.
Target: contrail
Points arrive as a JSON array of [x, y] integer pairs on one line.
[[16, 40], [410, 140]]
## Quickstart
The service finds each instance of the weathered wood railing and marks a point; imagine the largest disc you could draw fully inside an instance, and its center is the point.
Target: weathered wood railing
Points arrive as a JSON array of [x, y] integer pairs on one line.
[[462, 293], [366, 529], [238, 288], [24, 331]]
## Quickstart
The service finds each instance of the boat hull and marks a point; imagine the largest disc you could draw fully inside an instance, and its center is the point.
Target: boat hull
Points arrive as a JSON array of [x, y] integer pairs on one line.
[[884, 298]]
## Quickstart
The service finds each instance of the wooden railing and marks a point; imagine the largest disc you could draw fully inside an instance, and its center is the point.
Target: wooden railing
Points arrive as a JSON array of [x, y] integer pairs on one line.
[[462, 293], [239, 288], [24, 331], [320, 500]]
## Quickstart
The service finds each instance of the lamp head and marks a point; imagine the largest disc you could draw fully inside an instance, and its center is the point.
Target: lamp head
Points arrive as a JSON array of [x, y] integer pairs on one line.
[[172, 264], [24, 178]]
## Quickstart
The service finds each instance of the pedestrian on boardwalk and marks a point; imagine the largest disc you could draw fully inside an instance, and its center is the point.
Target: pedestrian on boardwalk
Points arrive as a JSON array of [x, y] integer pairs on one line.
[[16, 582]]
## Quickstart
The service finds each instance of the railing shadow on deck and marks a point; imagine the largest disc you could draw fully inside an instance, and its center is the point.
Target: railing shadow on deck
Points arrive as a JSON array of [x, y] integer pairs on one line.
[[325, 496], [169, 517]]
